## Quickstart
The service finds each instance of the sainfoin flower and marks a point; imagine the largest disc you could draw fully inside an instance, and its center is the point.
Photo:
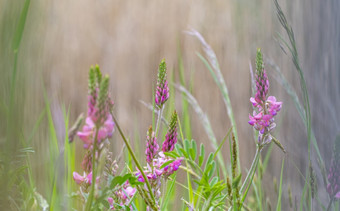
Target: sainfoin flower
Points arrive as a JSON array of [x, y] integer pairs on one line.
[[264, 108], [333, 187], [122, 196], [151, 145], [98, 122], [162, 89], [171, 136], [86, 178]]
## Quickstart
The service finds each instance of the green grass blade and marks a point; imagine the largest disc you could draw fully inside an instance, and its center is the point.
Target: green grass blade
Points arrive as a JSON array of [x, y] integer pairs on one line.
[[278, 206], [214, 69], [169, 194], [21, 26]]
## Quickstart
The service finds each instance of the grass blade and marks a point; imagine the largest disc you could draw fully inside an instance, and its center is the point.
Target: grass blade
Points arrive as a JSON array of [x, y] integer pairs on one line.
[[278, 206], [215, 71]]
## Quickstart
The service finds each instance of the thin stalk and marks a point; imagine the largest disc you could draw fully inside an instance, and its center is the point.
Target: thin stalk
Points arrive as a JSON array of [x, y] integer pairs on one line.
[[135, 159], [330, 204], [190, 171], [159, 118], [250, 181], [252, 168], [90, 199]]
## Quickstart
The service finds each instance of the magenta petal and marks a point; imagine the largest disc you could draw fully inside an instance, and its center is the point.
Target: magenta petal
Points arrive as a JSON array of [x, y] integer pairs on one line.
[[110, 200], [337, 196], [271, 99], [89, 122], [89, 178], [78, 178]]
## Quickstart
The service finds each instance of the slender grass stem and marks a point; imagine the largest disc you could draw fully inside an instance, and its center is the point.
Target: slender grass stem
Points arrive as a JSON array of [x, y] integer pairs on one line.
[[190, 172], [90, 199], [252, 168], [136, 161], [330, 204], [159, 118]]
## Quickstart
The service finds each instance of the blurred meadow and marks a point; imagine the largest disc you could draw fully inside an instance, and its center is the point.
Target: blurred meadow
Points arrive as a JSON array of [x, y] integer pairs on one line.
[[62, 39]]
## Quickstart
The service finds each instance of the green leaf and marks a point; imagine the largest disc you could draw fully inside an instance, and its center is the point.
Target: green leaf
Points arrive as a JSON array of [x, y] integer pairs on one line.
[[166, 163], [119, 180], [213, 181], [202, 154], [187, 146], [177, 148], [184, 153], [21, 26], [278, 207], [193, 151], [236, 181], [172, 154], [212, 170]]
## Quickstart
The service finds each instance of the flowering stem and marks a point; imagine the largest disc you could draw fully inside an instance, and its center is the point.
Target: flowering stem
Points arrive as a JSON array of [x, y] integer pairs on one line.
[[160, 112], [90, 199], [136, 161]]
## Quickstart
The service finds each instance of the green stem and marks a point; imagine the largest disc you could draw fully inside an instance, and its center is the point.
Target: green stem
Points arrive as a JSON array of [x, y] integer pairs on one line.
[[330, 204], [90, 199], [253, 167], [136, 161], [159, 118], [189, 171]]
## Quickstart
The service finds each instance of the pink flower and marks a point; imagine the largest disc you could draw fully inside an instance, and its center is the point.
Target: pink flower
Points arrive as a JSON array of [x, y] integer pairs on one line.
[[87, 135], [87, 179], [110, 200], [264, 108], [151, 145], [78, 178]]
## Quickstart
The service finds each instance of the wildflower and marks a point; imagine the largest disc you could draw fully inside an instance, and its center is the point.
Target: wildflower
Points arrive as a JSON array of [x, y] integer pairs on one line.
[[151, 145], [333, 187], [87, 179], [162, 90], [263, 119], [262, 82], [122, 196], [98, 120], [87, 135], [171, 136]]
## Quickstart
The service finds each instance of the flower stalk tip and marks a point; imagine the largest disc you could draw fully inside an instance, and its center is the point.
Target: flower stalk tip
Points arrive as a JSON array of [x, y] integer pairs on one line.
[[171, 136], [162, 90]]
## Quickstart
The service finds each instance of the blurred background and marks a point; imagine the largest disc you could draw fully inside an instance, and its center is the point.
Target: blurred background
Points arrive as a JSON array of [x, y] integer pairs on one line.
[[128, 39]]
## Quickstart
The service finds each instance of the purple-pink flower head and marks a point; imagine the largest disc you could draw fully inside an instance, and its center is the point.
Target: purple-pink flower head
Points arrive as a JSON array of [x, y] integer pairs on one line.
[[171, 136], [333, 187], [262, 82], [264, 108], [162, 90], [151, 145], [98, 118]]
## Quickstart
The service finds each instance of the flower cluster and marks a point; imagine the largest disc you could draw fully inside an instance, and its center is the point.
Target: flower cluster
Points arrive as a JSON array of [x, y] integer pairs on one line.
[[151, 145], [263, 119], [333, 187], [162, 90], [122, 196], [171, 136], [99, 124]]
